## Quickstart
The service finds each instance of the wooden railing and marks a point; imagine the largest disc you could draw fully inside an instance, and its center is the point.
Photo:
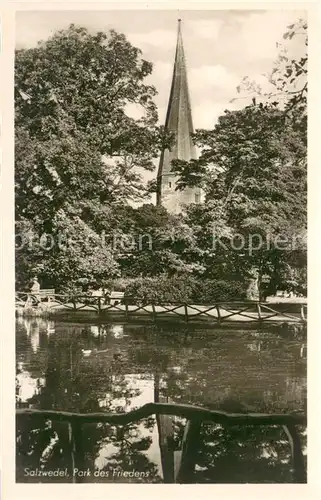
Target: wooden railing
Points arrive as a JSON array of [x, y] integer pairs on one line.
[[251, 311], [195, 417]]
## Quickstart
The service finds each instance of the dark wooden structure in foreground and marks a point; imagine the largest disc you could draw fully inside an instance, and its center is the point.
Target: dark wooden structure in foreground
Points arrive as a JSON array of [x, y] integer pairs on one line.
[[195, 416]]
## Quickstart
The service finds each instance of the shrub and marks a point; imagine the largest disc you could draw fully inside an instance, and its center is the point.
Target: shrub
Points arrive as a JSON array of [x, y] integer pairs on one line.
[[210, 291], [159, 290], [183, 289], [118, 284]]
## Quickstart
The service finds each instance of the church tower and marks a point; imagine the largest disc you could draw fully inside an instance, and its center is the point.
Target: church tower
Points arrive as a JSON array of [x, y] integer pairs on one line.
[[179, 122]]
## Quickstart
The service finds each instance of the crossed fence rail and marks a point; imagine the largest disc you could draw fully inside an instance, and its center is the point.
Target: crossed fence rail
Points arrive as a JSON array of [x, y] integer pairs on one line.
[[195, 416], [251, 311]]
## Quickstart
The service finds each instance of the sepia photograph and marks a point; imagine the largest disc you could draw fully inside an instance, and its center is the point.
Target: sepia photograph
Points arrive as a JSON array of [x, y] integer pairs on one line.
[[161, 246]]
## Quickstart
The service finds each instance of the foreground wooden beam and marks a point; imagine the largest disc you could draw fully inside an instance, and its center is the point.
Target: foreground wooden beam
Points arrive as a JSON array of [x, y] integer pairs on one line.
[[183, 465], [180, 410]]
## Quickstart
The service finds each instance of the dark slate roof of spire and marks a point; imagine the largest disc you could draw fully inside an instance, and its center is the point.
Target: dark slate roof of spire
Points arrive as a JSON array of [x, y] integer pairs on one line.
[[179, 114]]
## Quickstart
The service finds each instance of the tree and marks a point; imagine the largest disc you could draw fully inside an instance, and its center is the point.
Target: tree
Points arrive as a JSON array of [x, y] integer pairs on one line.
[[255, 182], [76, 88], [79, 153], [154, 242], [288, 78], [253, 170], [68, 257], [62, 173], [85, 83]]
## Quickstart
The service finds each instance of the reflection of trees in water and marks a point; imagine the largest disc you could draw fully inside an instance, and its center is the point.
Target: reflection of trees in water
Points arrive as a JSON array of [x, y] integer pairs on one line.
[[80, 384], [235, 454], [123, 449], [44, 444], [40, 444], [85, 384], [208, 376], [248, 454], [197, 387], [225, 455]]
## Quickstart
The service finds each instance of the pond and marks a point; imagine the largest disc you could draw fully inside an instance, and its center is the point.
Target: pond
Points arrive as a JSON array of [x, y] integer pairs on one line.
[[117, 367]]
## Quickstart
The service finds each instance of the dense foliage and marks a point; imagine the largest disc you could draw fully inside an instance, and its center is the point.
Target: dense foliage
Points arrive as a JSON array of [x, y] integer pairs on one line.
[[80, 160], [253, 169], [79, 153], [183, 289]]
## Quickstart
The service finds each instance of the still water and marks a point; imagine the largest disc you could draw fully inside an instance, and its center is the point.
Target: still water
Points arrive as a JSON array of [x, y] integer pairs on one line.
[[118, 367]]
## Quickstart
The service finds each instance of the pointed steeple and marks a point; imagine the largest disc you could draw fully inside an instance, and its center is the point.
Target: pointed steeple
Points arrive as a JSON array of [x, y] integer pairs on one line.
[[179, 122]]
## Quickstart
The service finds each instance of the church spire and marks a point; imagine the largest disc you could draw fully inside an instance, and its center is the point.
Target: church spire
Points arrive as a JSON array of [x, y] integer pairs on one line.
[[179, 122]]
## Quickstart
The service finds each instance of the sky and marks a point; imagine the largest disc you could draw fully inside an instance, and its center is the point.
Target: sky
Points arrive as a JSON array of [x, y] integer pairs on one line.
[[221, 47]]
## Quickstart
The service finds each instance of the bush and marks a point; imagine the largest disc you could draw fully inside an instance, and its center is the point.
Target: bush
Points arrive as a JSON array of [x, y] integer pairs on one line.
[[118, 284], [183, 289], [210, 291], [159, 290]]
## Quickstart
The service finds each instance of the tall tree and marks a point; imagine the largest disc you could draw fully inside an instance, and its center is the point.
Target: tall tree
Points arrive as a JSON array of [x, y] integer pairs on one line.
[[253, 170], [77, 87], [79, 151]]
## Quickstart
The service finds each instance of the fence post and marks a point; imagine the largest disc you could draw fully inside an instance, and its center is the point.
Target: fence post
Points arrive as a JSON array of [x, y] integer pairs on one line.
[[126, 308], [74, 303], [259, 311], [77, 450], [302, 312], [189, 451], [99, 305], [218, 313], [72, 447], [186, 312], [154, 311], [297, 455], [27, 302]]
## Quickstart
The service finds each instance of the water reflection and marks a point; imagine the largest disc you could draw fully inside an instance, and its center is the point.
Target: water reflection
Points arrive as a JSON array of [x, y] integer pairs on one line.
[[87, 368]]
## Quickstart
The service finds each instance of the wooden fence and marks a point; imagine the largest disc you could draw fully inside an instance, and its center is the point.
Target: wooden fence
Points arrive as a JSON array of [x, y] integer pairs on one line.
[[195, 417], [220, 312]]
